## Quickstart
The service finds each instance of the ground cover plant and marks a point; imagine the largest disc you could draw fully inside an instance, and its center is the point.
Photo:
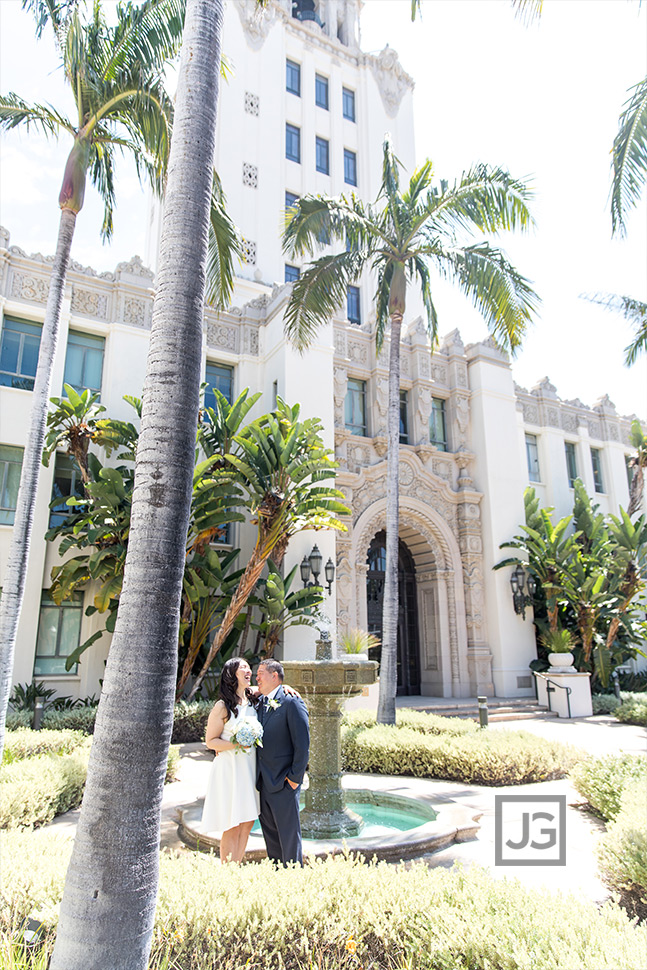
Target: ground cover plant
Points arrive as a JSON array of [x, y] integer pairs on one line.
[[339, 913], [421, 746]]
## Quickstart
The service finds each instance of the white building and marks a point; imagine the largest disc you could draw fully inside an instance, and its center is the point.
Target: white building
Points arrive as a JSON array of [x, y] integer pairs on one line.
[[309, 111]]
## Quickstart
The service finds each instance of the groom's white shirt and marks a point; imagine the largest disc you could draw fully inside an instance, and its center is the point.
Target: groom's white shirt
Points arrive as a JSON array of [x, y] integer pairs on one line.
[[272, 693]]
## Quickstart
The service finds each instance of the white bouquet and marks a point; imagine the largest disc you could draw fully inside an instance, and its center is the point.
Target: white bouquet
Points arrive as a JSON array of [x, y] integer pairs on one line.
[[248, 735]]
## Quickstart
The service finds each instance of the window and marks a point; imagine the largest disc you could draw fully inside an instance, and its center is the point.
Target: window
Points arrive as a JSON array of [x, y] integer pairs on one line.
[[293, 77], [404, 417], [292, 273], [67, 482], [10, 468], [321, 91], [350, 167], [84, 361], [19, 348], [348, 104], [323, 156], [59, 634], [596, 461], [356, 406], [437, 424], [571, 463], [290, 199], [293, 143], [352, 305], [532, 457], [218, 376]]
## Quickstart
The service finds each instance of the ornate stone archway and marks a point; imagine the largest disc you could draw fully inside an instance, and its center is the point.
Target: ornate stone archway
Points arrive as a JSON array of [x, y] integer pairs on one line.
[[445, 528]]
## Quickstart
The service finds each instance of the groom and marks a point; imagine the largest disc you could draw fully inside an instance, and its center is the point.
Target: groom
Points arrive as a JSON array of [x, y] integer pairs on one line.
[[281, 763]]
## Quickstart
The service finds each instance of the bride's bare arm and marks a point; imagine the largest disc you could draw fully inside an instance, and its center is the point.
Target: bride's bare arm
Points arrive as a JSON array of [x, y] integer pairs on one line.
[[215, 727]]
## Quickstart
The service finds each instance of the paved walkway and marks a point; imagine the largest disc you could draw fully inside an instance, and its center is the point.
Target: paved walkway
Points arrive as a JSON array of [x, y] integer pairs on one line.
[[598, 735]]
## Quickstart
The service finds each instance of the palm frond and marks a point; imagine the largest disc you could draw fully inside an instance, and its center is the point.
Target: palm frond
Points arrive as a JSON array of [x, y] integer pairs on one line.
[[528, 10], [102, 176], [503, 296], [634, 312], [391, 166], [15, 111], [629, 157], [54, 12], [484, 198], [422, 272], [418, 183], [224, 245], [318, 293], [317, 221], [148, 34]]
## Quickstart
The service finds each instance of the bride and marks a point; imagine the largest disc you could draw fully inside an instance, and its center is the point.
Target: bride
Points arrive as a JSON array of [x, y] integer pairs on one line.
[[231, 805]]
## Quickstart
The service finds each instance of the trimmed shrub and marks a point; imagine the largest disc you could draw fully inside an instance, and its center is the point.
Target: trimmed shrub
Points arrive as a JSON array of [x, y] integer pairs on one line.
[[633, 710], [340, 914], [418, 720], [622, 852], [605, 703], [36, 789], [76, 719], [480, 757], [25, 743], [190, 721], [18, 719], [602, 781]]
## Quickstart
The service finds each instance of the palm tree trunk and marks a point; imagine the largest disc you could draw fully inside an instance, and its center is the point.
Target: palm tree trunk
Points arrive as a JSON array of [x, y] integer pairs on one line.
[[110, 891], [16, 569], [388, 663]]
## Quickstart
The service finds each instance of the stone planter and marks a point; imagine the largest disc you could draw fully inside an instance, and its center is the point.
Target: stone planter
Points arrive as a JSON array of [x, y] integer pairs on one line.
[[561, 663]]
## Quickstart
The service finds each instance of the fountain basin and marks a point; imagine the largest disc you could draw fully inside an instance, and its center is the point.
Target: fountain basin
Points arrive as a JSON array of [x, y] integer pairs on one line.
[[436, 822]]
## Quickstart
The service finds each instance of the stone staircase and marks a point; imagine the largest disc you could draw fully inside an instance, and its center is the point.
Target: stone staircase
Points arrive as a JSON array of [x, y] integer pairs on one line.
[[499, 708]]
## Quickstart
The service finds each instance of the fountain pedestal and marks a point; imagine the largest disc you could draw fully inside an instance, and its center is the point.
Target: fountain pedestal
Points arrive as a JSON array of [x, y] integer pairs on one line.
[[325, 684]]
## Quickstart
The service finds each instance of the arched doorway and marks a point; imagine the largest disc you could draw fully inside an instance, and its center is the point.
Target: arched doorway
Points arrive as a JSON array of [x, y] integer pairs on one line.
[[408, 649]]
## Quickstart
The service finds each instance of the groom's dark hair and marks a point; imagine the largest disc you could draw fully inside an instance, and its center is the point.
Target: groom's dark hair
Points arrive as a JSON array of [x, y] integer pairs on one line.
[[274, 667]]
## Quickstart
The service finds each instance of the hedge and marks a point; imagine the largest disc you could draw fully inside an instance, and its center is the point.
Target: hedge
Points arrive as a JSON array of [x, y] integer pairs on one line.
[[341, 914], [602, 781], [622, 852], [25, 743], [419, 721], [479, 757], [633, 710], [33, 790]]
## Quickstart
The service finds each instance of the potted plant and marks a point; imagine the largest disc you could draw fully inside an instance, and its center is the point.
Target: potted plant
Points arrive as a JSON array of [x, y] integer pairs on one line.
[[559, 644], [358, 642]]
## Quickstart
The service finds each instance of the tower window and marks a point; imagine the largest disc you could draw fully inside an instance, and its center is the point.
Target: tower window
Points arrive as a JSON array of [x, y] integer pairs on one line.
[[348, 104], [352, 305], [323, 156], [350, 167], [293, 143], [293, 77], [321, 91]]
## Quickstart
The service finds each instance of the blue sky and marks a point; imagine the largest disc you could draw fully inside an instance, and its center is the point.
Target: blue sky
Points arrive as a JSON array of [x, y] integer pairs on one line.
[[542, 100]]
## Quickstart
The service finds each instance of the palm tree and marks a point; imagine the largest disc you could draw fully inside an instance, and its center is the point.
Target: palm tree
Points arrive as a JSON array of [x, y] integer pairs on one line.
[[629, 157], [634, 312], [111, 887], [116, 76], [399, 237]]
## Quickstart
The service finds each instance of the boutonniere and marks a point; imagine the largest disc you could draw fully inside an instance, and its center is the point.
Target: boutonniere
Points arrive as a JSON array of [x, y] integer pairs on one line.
[[273, 704]]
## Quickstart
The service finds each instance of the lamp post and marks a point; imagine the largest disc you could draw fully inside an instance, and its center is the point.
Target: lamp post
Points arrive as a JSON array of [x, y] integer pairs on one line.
[[520, 600], [311, 565]]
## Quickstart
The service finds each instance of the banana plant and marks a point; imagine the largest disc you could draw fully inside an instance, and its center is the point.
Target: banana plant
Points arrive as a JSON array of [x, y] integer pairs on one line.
[[282, 609]]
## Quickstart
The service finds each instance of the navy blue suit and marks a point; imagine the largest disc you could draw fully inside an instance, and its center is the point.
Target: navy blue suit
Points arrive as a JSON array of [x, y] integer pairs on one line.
[[286, 740]]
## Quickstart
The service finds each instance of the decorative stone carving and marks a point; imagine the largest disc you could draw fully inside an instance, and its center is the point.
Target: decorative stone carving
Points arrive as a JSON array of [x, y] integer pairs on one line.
[[135, 267], [252, 104], [405, 474], [249, 253], [32, 288], [340, 343], [256, 21], [134, 312], [423, 366], [5, 236], [461, 375], [220, 335], [251, 341], [461, 421], [250, 176], [453, 342], [531, 413], [90, 302], [339, 393], [392, 80], [405, 369], [442, 468], [569, 421], [544, 388], [358, 352], [612, 432], [439, 373], [424, 410], [552, 417], [595, 428]]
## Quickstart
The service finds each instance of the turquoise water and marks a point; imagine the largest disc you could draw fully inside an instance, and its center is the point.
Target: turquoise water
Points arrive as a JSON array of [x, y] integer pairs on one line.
[[379, 820]]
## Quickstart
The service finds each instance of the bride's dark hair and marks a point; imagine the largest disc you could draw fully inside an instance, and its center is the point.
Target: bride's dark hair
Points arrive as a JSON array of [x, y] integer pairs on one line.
[[228, 692]]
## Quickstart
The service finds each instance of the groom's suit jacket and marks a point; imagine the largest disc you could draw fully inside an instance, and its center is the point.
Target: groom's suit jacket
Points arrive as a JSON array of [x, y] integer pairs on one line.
[[286, 740]]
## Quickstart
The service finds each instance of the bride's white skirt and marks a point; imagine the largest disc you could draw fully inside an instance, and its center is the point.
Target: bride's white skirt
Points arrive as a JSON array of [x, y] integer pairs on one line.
[[231, 796]]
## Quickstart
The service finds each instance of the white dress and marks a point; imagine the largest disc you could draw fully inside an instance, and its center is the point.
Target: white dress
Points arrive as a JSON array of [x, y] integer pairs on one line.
[[232, 796]]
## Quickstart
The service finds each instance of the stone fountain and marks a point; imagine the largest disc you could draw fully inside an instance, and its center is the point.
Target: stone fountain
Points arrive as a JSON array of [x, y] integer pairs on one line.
[[326, 684], [328, 824]]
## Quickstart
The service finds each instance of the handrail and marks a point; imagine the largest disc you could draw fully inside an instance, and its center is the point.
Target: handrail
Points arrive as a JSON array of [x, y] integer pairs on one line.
[[550, 689]]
